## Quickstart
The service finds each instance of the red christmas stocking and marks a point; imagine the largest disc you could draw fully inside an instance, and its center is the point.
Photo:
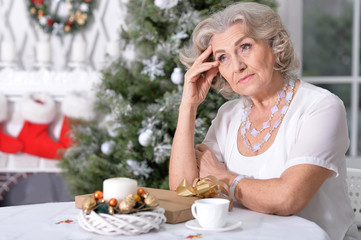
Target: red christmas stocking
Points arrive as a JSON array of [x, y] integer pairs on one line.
[[76, 106], [38, 110], [8, 144]]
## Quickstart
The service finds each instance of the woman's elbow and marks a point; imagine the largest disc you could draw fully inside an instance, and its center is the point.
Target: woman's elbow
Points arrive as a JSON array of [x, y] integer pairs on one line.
[[290, 204]]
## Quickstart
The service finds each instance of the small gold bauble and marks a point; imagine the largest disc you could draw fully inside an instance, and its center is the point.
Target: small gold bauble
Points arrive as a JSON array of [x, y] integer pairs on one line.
[[32, 10], [80, 21], [67, 28], [131, 200], [125, 206], [137, 198], [111, 210], [151, 201]]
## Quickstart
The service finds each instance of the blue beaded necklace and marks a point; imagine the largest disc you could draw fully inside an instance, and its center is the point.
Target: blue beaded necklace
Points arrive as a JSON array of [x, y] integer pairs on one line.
[[246, 125]]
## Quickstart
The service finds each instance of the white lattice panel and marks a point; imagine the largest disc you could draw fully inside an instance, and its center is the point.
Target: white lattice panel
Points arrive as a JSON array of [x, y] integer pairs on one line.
[[17, 27]]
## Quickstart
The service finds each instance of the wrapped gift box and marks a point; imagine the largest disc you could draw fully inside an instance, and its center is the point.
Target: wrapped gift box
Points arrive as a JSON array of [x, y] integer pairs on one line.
[[177, 208]]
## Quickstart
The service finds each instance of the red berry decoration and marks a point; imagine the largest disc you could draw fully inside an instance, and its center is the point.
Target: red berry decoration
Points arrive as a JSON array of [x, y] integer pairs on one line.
[[50, 21], [37, 2], [98, 195], [140, 191], [113, 202], [68, 23]]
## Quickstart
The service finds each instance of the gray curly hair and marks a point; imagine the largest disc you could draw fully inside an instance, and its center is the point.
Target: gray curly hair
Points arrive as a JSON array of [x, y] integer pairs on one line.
[[259, 22]]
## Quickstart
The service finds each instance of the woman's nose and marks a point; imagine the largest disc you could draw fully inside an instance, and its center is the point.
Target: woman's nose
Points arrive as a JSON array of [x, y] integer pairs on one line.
[[238, 64]]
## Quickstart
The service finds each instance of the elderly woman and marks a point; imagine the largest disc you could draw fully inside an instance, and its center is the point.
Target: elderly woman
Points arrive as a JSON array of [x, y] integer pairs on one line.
[[280, 144]]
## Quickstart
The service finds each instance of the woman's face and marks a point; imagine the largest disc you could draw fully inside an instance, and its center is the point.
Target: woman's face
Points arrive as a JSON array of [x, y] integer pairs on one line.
[[247, 64]]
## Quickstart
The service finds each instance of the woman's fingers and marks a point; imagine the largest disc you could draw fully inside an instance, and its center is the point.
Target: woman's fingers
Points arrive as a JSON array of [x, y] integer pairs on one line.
[[198, 79], [204, 56], [211, 74], [194, 73], [201, 147]]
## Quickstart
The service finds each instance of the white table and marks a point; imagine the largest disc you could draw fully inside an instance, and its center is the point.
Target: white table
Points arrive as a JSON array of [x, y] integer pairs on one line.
[[41, 221]]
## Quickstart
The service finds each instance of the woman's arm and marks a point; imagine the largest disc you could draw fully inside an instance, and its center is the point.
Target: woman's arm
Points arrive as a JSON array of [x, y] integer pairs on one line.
[[286, 195], [197, 82], [183, 164]]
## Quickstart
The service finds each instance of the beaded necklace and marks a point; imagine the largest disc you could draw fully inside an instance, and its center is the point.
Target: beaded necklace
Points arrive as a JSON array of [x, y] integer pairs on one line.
[[246, 124]]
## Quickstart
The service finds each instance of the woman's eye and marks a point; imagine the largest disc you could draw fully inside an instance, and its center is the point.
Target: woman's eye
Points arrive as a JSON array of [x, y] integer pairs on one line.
[[245, 47], [222, 58]]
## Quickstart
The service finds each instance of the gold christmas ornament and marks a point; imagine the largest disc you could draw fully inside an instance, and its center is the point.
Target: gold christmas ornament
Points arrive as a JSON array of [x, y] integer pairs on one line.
[[151, 201], [33, 11], [88, 204], [67, 28], [137, 198], [111, 210], [125, 206], [80, 21]]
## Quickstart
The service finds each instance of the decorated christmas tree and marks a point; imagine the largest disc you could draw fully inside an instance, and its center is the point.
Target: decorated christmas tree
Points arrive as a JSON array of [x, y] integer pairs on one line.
[[138, 98]]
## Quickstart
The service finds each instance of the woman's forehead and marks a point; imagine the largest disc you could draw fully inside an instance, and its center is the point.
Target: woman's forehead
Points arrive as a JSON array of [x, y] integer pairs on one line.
[[229, 36]]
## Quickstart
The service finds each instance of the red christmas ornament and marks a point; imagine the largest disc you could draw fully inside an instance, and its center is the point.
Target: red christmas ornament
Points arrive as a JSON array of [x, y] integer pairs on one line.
[[50, 21], [141, 191], [98, 195], [113, 202]]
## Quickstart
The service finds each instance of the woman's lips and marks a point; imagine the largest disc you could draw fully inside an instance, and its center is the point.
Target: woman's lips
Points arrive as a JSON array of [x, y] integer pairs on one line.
[[246, 79]]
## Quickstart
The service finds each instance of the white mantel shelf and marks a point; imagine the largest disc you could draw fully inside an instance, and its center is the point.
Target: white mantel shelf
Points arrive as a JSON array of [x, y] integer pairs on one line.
[[57, 83]]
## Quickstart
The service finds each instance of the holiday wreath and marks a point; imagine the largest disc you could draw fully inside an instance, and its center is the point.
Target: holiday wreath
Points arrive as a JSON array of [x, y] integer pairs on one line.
[[79, 13]]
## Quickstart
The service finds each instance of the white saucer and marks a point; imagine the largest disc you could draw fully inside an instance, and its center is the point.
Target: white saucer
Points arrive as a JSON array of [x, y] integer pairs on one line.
[[194, 225]]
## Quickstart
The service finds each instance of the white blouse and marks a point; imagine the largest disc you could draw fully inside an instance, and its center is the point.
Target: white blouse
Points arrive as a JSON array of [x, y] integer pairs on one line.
[[313, 131]]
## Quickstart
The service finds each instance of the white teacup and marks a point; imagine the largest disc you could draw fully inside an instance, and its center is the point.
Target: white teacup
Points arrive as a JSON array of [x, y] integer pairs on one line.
[[211, 212]]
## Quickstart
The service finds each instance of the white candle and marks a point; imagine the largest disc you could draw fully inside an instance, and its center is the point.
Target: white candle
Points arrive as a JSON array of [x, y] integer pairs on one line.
[[43, 51], [8, 51], [119, 188], [79, 51]]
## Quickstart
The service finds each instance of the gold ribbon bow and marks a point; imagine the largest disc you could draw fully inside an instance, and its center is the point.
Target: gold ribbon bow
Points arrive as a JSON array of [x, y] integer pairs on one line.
[[206, 187]]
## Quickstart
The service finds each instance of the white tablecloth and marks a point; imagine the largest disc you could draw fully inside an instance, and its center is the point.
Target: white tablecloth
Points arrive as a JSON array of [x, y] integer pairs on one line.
[[48, 221]]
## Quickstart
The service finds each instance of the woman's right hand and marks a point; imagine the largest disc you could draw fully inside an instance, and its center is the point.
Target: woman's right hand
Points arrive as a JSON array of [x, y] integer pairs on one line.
[[198, 79]]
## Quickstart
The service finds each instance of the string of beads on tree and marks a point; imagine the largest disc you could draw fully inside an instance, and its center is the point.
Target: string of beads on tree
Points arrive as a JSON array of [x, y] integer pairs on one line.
[[79, 14]]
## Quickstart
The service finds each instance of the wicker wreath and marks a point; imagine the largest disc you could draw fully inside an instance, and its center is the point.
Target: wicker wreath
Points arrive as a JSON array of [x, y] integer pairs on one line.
[[122, 224]]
